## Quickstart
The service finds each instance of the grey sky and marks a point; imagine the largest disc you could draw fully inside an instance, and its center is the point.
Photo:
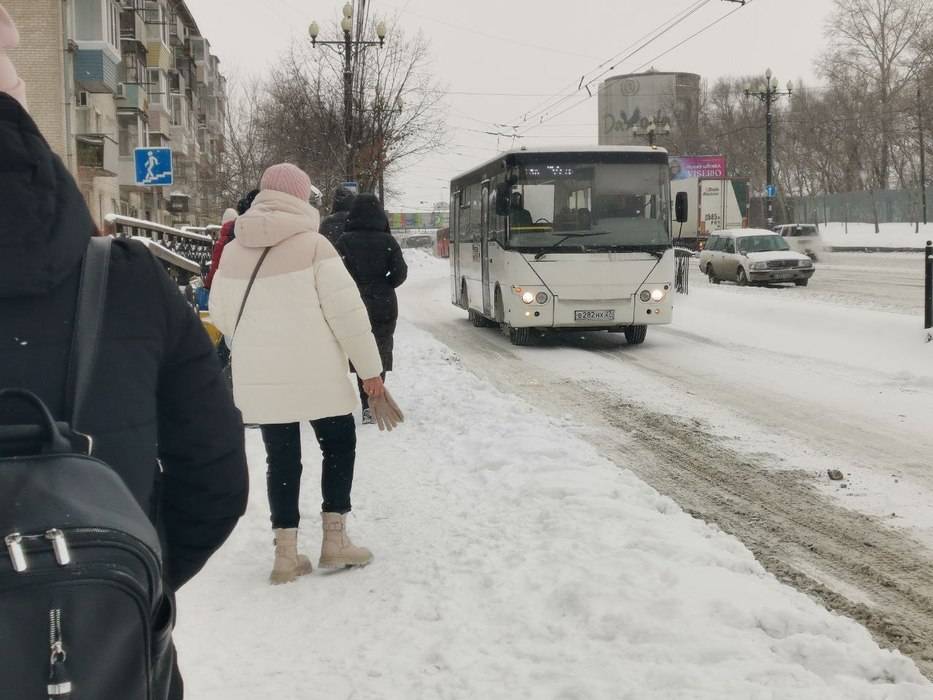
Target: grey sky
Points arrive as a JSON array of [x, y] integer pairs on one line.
[[529, 50]]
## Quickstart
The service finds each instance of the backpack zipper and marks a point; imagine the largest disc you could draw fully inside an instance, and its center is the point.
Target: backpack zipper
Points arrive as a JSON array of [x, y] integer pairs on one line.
[[59, 686], [14, 545]]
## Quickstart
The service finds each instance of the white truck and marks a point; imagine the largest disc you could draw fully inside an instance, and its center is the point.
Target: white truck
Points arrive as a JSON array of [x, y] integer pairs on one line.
[[713, 204]]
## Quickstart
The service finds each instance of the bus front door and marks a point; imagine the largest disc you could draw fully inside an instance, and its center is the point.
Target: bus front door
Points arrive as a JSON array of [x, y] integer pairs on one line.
[[484, 226]]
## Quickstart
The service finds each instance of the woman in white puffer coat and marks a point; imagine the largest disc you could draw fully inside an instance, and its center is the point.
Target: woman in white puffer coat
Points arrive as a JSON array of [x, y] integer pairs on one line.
[[302, 319]]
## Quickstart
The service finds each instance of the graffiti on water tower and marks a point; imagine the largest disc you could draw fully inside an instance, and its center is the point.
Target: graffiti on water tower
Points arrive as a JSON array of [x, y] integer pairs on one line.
[[626, 122]]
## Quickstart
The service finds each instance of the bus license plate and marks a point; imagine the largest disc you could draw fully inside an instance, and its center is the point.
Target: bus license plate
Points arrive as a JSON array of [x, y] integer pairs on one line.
[[609, 315]]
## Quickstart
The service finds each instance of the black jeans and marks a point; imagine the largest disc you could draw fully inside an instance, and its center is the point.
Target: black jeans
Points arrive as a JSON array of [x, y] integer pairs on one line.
[[364, 398], [337, 439]]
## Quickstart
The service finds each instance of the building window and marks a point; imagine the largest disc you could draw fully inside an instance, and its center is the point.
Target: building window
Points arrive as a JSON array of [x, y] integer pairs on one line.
[[129, 134]]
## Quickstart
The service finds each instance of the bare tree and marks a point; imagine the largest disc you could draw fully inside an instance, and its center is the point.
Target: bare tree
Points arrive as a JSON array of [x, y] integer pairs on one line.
[[397, 111], [878, 46], [247, 153]]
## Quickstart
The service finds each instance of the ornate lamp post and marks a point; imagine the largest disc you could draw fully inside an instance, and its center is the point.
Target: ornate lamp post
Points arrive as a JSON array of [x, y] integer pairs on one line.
[[347, 44], [769, 94]]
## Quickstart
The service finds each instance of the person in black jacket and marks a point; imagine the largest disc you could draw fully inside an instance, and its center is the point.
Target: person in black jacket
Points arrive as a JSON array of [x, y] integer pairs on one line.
[[375, 262], [159, 411], [333, 226]]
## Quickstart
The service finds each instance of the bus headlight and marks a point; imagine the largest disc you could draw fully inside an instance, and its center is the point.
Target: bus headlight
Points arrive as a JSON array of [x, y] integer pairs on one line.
[[528, 297], [541, 297], [657, 294], [645, 295]]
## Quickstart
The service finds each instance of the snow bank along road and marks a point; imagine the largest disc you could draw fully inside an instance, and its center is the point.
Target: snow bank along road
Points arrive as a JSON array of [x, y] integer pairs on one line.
[[512, 561], [737, 411]]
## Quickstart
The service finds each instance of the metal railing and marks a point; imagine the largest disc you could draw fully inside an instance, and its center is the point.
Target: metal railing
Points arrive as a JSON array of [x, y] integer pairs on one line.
[[184, 253]]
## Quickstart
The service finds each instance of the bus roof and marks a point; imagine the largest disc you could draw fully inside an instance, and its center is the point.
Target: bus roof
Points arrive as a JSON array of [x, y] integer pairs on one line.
[[544, 150]]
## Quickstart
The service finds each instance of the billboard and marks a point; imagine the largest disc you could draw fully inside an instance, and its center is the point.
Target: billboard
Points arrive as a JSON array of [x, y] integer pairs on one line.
[[419, 220], [683, 167]]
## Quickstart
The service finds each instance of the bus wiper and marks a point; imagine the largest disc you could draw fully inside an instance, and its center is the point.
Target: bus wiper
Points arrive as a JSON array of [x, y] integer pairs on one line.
[[566, 237]]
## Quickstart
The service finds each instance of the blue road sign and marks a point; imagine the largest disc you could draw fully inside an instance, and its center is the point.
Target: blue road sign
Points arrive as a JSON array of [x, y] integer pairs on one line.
[[154, 167], [354, 187], [771, 190]]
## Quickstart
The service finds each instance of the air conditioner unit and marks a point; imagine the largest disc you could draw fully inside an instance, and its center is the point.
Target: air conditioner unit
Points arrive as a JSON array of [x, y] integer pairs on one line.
[[84, 99], [121, 90]]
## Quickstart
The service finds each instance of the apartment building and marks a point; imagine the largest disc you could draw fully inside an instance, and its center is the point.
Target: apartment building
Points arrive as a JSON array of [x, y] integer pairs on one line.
[[108, 76]]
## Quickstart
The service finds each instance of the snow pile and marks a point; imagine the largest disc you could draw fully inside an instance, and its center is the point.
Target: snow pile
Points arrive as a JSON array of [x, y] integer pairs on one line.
[[861, 235], [512, 561]]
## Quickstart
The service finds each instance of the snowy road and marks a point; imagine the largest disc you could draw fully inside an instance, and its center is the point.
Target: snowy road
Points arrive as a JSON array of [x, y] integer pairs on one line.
[[884, 281], [738, 410]]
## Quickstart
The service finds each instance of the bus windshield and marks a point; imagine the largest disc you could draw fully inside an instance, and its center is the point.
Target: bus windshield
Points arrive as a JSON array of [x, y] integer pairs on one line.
[[590, 207]]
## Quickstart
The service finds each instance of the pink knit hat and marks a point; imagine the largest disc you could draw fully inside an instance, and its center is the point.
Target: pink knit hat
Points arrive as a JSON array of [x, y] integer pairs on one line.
[[289, 179], [10, 82]]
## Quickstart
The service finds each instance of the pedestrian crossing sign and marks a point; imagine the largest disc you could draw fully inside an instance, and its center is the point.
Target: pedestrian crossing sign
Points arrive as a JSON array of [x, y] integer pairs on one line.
[[154, 167]]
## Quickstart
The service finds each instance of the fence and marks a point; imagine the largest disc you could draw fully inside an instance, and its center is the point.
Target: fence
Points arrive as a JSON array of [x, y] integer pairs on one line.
[[886, 206]]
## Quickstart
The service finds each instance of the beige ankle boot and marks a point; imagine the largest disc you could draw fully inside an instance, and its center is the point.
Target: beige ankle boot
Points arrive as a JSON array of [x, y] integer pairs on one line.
[[337, 551], [289, 564]]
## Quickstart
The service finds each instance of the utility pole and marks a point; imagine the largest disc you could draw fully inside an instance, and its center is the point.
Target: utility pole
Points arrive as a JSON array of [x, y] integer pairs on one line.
[[347, 44], [923, 160], [768, 95]]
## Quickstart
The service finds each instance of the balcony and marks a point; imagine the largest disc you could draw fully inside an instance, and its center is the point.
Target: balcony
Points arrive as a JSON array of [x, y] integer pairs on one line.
[[98, 155], [135, 98], [95, 71], [160, 56]]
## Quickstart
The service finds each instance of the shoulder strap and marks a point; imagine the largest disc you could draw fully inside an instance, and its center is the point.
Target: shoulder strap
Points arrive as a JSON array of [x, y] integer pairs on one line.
[[249, 287], [89, 316]]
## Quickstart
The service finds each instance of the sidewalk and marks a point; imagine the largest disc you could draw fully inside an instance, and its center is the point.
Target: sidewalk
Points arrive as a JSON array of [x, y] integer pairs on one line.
[[511, 562]]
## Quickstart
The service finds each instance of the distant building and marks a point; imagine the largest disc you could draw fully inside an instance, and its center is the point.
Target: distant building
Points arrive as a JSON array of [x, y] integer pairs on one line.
[[107, 76], [669, 100]]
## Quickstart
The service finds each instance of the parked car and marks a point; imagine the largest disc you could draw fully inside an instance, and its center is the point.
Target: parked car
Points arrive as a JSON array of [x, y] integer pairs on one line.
[[804, 238], [416, 239], [753, 256]]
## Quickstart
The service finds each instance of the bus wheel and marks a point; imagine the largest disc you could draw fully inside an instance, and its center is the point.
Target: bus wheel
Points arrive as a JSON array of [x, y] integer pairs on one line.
[[520, 336], [635, 335]]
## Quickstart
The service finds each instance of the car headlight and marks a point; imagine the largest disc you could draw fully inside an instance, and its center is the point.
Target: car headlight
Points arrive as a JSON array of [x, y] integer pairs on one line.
[[805, 263], [528, 297], [759, 266], [541, 297], [657, 294], [645, 295]]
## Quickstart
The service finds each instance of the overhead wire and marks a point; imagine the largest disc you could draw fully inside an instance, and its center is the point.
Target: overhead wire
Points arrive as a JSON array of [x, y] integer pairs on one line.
[[626, 53], [681, 43]]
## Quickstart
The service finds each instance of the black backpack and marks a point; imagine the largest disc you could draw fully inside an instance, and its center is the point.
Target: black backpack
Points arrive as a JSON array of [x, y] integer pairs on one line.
[[83, 615]]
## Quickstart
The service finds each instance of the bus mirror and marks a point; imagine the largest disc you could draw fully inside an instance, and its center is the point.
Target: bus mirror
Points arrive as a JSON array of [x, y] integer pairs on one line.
[[680, 207], [503, 196]]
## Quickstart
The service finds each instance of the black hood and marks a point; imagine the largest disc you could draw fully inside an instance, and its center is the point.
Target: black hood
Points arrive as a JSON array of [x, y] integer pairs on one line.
[[44, 223], [367, 214], [343, 200]]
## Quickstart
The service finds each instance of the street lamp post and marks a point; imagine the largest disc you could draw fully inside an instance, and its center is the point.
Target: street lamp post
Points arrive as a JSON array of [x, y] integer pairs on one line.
[[769, 94], [347, 44]]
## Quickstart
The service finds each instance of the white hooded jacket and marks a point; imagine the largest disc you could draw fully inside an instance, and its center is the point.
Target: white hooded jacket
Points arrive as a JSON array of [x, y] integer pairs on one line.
[[303, 319]]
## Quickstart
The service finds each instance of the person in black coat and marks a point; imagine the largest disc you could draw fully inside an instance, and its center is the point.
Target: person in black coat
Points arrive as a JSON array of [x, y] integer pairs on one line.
[[333, 226], [159, 411], [375, 262]]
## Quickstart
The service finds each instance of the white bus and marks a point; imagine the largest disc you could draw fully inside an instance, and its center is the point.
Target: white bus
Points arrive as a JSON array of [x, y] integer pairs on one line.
[[564, 239]]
